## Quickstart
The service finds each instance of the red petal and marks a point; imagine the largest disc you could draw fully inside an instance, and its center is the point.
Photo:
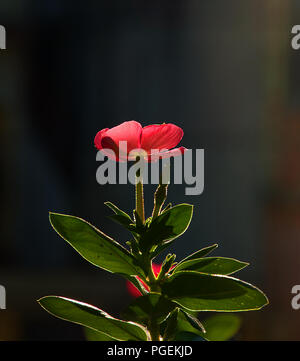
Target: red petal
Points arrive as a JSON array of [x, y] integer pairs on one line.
[[107, 151], [98, 138], [160, 136], [171, 153], [128, 131], [131, 287], [156, 268]]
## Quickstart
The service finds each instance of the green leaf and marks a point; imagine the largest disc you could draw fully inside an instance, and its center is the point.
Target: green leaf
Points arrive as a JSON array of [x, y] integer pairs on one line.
[[92, 317], [166, 265], [214, 265], [170, 324], [180, 322], [203, 292], [168, 206], [126, 218], [120, 220], [221, 327], [160, 249], [199, 254], [92, 335], [152, 305], [188, 325], [192, 321], [95, 246], [137, 283], [167, 226], [160, 197], [121, 217]]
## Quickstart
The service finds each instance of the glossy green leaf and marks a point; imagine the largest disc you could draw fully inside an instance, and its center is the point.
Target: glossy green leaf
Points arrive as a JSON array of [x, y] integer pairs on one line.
[[180, 322], [167, 226], [169, 327], [211, 265], [199, 254], [203, 292], [221, 327], [166, 265], [120, 220], [92, 335], [119, 212], [188, 325], [152, 305], [120, 217], [95, 246], [159, 249], [137, 283], [168, 206], [192, 321], [160, 197], [92, 317]]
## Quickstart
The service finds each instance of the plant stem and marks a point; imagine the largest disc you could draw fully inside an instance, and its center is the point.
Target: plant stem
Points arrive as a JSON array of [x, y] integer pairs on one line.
[[153, 327], [154, 287], [154, 331], [139, 201], [139, 197]]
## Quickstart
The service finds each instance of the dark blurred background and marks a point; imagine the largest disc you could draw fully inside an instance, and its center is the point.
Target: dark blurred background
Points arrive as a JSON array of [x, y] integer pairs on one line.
[[222, 70]]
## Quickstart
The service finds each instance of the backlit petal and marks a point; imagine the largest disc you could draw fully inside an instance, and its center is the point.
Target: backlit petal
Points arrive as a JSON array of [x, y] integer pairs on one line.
[[160, 136], [98, 138], [170, 153], [129, 132]]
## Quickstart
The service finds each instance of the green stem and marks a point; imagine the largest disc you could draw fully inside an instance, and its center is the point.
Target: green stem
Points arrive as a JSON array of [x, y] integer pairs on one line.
[[154, 287], [139, 197], [139, 201], [154, 331], [153, 327]]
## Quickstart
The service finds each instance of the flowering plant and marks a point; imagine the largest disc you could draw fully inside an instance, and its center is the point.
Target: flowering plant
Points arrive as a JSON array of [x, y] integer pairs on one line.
[[171, 296]]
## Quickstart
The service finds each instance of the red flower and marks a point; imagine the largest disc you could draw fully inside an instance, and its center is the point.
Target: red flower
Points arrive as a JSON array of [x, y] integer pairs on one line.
[[151, 142], [133, 290]]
